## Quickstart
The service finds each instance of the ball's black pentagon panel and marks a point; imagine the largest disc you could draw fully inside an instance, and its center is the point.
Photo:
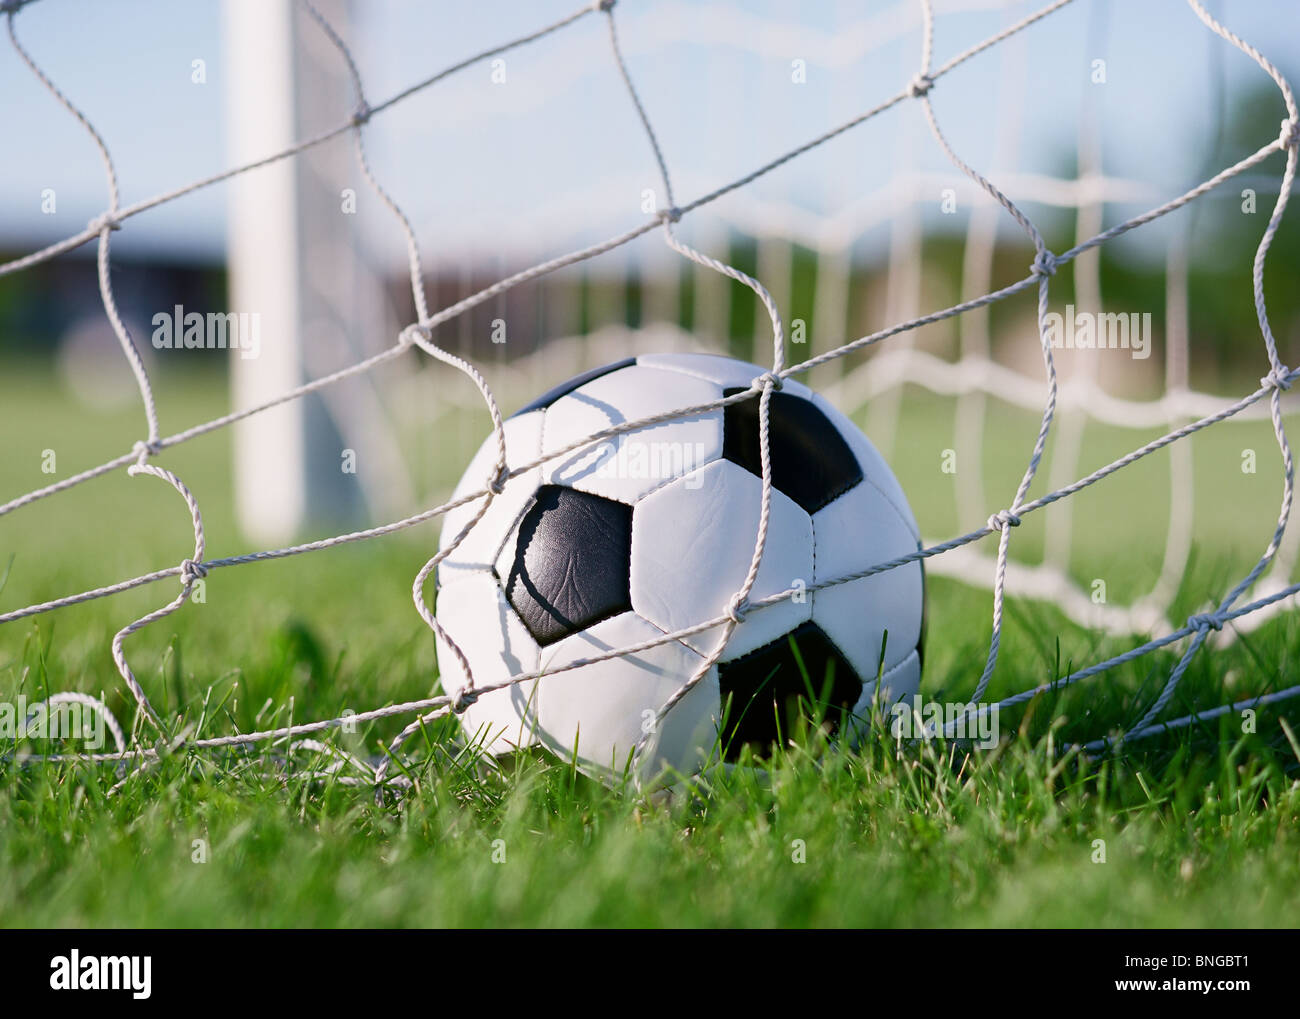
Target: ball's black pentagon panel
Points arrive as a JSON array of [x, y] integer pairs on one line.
[[811, 462], [565, 388], [572, 562], [768, 683]]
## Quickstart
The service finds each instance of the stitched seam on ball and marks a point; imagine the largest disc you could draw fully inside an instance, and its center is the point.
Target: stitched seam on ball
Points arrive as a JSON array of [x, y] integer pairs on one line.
[[835, 644], [845, 490], [694, 374], [894, 668], [783, 637], [866, 475], [631, 558], [685, 642], [670, 481], [875, 683], [812, 606], [513, 528], [679, 640], [902, 516], [536, 475]]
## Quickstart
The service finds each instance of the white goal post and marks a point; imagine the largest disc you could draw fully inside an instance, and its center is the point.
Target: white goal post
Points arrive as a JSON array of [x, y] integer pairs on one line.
[[296, 263]]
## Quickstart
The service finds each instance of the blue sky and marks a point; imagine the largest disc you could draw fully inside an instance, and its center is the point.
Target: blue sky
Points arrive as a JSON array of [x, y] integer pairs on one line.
[[555, 158]]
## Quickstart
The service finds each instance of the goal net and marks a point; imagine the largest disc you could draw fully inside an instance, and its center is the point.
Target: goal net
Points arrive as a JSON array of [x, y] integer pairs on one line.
[[913, 210]]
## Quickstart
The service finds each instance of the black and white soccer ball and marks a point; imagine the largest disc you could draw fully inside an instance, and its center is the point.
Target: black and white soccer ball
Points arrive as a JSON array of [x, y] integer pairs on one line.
[[649, 532]]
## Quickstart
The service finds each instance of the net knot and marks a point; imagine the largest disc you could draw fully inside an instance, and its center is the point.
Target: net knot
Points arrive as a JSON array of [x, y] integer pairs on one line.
[[1205, 621], [464, 699], [498, 483], [921, 85], [761, 381], [1044, 264], [605, 6], [1003, 518], [145, 448], [362, 114], [104, 221], [1290, 136], [737, 609], [407, 336], [1278, 378], [670, 215], [192, 571]]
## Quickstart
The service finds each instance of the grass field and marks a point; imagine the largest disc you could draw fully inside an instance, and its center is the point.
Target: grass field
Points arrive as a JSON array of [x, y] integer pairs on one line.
[[1198, 828]]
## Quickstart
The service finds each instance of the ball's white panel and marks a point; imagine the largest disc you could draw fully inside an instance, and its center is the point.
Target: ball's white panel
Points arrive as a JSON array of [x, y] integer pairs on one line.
[[874, 469], [899, 682], [474, 612], [857, 530], [692, 542], [626, 467], [687, 738], [726, 372], [481, 546], [601, 708], [505, 560]]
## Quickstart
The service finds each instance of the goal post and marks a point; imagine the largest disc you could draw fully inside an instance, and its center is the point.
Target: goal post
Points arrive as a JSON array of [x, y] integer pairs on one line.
[[296, 268]]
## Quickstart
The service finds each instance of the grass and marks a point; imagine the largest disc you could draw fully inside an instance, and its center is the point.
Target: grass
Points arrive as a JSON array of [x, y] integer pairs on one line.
[[1199, 827]]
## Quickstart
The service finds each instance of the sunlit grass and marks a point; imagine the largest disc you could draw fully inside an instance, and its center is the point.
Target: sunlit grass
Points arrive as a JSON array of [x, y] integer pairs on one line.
[[1198, 827]]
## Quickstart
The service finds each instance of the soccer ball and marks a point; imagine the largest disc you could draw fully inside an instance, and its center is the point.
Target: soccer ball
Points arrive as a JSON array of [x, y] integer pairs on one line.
[[626, 539]]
